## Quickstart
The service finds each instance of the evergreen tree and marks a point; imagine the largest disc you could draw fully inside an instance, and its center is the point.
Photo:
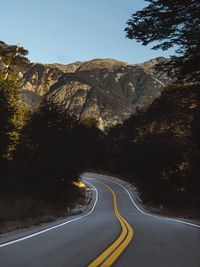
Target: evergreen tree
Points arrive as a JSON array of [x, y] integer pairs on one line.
[[12, 115], [12, 110], [167, 24], [12, 56], [53, 152]]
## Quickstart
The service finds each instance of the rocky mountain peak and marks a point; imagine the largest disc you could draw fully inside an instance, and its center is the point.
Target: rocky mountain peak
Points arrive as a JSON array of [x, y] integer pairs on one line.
[[106, 63], [106, 89]]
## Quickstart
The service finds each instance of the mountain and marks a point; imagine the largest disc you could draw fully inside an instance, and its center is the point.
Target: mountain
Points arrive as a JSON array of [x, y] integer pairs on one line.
[[106, 89]]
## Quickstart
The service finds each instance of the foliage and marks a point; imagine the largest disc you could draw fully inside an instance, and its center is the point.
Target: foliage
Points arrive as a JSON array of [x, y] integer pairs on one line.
[[159, 149], [13, 55], [167, 24], [54, 149], [90, 122], [43, 152], [13, 115]]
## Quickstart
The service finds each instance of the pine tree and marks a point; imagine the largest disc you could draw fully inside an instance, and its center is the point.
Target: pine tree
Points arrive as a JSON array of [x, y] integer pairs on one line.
[[12, 110], [167, 24]]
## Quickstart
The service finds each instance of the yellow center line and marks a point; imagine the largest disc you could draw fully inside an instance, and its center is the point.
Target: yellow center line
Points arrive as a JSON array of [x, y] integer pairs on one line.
[[109, 255]]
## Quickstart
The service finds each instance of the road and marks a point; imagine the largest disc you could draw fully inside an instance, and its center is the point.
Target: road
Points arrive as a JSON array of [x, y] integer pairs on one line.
[[111, 232]]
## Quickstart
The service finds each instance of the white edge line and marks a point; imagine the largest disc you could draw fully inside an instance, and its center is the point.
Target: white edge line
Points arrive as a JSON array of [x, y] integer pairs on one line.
[[145, 213], [56, 226]]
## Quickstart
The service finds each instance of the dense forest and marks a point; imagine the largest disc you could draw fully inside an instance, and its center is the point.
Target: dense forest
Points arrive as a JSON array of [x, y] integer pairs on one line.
[[40, 155], [167, 134], [158, 149]]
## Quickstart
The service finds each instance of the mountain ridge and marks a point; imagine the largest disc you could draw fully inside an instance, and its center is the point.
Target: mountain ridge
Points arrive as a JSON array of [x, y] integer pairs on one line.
[[106, 89]]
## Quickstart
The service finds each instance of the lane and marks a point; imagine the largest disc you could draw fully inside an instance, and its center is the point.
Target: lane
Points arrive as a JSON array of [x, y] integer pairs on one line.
[[112, 253], [157, 242], [73, 244]]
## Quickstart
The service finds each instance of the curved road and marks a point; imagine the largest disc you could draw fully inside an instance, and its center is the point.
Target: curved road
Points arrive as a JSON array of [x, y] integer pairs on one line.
[[111, 232]]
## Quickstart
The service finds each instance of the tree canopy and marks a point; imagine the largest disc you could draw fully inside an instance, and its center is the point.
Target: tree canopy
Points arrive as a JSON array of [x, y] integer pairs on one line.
[[13, 55], [167, 24], [12, 110]]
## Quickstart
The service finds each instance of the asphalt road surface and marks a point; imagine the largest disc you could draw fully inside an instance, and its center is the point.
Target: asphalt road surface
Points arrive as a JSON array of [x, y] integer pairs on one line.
[[113, 231]]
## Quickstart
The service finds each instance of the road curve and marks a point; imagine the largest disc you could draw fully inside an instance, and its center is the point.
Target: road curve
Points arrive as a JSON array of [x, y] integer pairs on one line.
[[80, 240]]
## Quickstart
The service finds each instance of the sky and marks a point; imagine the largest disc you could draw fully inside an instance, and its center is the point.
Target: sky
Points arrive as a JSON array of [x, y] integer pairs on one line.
[[64, 31]]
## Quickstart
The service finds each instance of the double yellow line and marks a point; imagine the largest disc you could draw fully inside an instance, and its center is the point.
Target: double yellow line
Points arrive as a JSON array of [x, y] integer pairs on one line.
[[109, 256]]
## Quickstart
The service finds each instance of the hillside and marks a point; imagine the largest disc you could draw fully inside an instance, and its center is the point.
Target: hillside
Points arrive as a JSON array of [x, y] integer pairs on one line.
[[106, 89]]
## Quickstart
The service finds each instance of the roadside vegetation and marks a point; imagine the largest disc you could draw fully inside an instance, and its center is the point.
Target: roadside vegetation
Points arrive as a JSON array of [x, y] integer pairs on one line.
[[42, 152], [158, 149], [167, 134]]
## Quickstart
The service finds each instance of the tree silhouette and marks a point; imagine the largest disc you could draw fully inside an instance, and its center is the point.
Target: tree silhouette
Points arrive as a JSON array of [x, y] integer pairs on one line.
[[167, 24]]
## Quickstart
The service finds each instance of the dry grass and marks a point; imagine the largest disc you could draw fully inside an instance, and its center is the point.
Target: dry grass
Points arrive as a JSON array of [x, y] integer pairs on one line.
[[20, 209], [183, 213], [19, 213]]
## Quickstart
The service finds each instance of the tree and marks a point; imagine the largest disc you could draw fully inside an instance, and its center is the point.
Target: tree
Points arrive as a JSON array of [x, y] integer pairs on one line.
[[12, 115], [12, 110], [168, 24], [54, 149], [12, 56]]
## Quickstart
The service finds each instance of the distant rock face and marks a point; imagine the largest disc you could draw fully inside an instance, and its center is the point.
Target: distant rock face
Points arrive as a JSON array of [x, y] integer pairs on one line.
[[106, 89]]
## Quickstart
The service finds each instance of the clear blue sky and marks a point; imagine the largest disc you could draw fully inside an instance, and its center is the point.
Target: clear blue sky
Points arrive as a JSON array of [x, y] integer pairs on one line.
[[64, 31]]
